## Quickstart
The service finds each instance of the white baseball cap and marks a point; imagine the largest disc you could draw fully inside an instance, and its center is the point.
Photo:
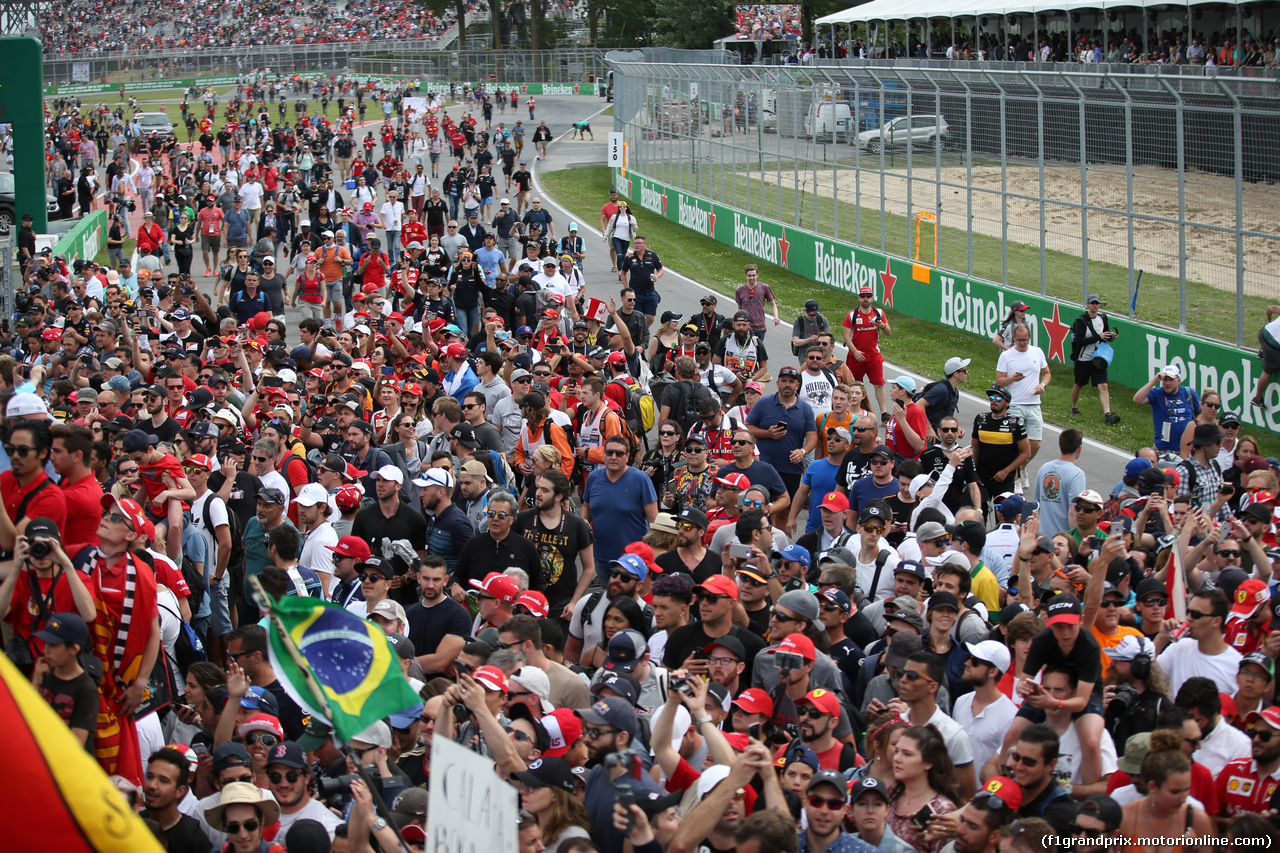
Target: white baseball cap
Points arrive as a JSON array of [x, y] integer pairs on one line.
[[24, 405], [993, 652], [435, 477], [313, 494], [392, 473]]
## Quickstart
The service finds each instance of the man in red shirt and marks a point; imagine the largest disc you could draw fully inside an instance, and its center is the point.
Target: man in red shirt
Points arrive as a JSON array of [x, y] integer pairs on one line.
[[209, 222], [26, 489], [72, 448], [819, 712], [862, 328], [908, 425], [150, 235], [1249, 621], [164, 488], [127, 647], [1245, 786]]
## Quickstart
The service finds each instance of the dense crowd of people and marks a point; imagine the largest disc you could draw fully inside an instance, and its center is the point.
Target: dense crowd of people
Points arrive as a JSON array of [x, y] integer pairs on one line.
[[77, 26], [684, 592]]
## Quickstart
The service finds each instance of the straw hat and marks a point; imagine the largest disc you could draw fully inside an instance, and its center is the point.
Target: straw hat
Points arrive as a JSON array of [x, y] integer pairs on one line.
[[242, 794]]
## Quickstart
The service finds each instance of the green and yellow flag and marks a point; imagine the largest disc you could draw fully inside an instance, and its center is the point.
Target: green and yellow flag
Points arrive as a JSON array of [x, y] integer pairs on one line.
[[337, 666]]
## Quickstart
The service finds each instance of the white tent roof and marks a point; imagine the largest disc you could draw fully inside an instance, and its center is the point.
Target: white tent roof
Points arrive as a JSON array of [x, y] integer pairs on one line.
[[903, 10]]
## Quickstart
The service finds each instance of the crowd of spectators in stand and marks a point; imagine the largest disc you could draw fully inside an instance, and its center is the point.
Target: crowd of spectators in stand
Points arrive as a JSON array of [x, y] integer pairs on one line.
[[81, 26], [1171, 47]]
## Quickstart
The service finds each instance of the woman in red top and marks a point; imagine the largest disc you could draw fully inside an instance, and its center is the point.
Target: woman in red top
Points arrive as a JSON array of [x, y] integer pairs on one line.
[[39, 588]]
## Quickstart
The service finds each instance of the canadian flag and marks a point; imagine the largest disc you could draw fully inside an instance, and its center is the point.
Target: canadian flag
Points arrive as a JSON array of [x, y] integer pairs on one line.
[[597, 309]]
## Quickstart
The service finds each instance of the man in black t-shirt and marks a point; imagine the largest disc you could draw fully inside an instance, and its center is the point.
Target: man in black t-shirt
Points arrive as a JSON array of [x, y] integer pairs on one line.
[[1000, 445], [964, 485], [561, 538], [438, 625], [865, 432], [716, 597]]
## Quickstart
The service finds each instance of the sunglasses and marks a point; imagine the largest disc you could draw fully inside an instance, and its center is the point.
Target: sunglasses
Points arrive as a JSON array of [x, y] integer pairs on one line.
[[292, 776], [752, 504], [1154, 602], [19, 450], [831, 608], [517, 734], [710, 597], [667, 432], [1111, 602], [1228, 553], [621, 575], [993, 801], [247, 826], [372, 577], [865, 429], [1016, 758], [747, 580], [833, 804], [591, 732], [265, 738], [684, 525], [1263, 736], [698, 448], [738, 442], [911, 675], [1193, 615], [501, 515], [948, 429], [615, 452], [117, 518]]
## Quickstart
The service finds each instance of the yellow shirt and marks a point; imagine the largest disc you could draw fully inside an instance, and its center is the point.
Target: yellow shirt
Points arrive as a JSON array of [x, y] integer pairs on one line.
[[984, 585]]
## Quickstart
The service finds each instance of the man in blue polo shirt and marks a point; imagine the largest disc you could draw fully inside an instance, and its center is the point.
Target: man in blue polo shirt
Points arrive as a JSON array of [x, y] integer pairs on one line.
[[1172, 407], [785, 429]]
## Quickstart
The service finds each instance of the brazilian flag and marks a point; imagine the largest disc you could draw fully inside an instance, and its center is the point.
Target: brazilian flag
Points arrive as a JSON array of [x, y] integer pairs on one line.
[[340, 668]]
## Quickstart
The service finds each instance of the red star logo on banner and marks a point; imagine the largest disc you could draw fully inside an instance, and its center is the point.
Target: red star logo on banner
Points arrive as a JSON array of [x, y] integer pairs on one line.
[[1057, 331], [784, 245], [664, 202], [711, 218], [524, 89], [888, 280]]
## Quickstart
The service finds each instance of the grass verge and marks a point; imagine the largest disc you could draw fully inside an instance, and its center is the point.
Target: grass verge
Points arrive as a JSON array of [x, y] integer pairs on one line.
[[923, 347], [1210, 310]]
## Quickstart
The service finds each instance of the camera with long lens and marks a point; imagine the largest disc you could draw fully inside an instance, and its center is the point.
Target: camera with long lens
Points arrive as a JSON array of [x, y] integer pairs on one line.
[[39, 549], [1123, 701], [336, 788]]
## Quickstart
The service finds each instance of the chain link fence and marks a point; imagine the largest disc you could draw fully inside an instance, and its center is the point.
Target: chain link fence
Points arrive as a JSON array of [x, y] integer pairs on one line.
[[1155, 191], [569, 66]]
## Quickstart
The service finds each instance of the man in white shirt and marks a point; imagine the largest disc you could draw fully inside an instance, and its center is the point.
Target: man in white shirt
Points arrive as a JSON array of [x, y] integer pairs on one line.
[[319, 536], [986, 713], [918, 685], [392, 219], [1024, 370], [1220, 742], [1203, 651], [286, 760], [1059, 682], [251, 193], [551, 281]]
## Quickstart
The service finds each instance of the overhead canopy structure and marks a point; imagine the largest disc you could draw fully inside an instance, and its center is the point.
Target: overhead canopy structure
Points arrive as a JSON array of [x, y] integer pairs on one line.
[[910, 10]]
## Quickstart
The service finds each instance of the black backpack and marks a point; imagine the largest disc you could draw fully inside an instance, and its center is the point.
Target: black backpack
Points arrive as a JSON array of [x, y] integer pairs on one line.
[[236, 558], [687, 408], [593, 601], [194, 579]]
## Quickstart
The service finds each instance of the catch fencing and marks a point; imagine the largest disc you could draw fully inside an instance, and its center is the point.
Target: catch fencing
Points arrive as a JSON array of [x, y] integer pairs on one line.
[[1156, 191]]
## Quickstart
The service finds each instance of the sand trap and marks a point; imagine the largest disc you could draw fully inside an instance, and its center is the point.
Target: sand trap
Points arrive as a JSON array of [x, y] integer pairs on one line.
[[1209, 200]]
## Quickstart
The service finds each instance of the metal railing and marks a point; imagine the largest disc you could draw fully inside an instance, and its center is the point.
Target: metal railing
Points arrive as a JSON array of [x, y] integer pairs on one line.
[[564, 66], [1154, 190]]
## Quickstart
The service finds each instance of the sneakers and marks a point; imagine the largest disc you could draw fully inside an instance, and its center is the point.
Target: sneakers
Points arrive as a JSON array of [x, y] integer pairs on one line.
[[1024, 480], [1075, 413], [1111, 419], [1017, 486]]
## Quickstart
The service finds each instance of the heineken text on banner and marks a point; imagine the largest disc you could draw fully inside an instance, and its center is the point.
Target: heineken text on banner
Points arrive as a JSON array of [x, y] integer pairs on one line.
[[349, 658], [470, 808], [961, 302]]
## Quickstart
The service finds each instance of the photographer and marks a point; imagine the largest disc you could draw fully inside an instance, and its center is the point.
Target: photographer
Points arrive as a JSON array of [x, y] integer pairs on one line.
[[43, 583], [1135, 689]]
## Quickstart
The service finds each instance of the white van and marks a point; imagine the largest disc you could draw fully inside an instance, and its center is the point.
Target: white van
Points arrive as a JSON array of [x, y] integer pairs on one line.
[[828, 121]]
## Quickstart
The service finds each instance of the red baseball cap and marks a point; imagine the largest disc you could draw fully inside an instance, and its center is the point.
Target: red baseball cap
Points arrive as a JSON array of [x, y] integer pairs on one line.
[[1249, 596], [824, 700], [798, 644], [499, 586], [835, 501], [1009, 792], [644, 551], [755, 701], [617, 358], [736, 480], [565, 729], [455, 351], [351, 546], [720, 585], [128, 508], [492, 678], [199, 461], [348, 497], [536, 602]]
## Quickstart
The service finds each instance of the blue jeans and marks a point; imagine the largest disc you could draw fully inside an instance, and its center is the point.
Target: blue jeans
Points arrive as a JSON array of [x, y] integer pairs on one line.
[[393, 245], [468, 318]]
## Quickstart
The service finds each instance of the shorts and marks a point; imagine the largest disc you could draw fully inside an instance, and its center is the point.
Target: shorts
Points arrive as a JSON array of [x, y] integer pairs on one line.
[[1032, 419], [488, 201], [219, 607], [1268, 352], [522, 197], [333, 291], [871, 369], [457, 152], [237, 242], [648, 302], [1087, 374], [211, 244], [344, 163], [316, 310], [435, 156]]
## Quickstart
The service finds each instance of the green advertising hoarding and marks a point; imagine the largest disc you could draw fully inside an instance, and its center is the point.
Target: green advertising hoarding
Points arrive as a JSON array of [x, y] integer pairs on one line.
[[962, 303], [187, 82]]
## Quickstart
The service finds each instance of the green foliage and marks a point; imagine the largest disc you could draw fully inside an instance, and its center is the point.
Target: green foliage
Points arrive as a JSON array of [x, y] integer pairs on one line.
[[692, 26]]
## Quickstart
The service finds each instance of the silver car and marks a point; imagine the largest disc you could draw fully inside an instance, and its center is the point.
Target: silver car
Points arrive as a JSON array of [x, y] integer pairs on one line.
[[154, 123], [917, 131]]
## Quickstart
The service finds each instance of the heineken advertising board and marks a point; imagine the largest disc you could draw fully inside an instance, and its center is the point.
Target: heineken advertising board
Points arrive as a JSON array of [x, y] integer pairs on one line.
[[956, 301]]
